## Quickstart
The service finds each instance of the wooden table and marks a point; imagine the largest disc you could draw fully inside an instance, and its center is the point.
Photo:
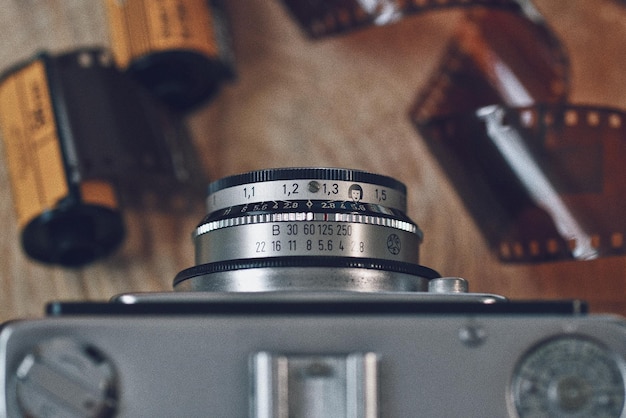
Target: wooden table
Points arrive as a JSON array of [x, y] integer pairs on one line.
[[336, 102]]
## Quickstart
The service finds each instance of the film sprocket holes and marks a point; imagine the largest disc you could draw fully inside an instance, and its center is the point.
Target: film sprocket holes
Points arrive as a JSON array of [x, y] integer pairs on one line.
[[329, 334]]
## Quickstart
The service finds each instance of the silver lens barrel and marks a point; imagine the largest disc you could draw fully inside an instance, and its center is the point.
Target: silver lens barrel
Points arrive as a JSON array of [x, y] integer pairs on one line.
[[306, 229]]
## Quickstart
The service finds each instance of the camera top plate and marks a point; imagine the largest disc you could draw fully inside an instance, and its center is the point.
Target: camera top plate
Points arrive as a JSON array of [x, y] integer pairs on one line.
[[314, 303]]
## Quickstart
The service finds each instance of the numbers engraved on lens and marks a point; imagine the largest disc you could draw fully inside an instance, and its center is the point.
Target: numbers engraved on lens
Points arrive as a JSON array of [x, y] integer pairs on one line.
[[248, 192], [569, 377], [291, 190], [330, 189], [316, 237]]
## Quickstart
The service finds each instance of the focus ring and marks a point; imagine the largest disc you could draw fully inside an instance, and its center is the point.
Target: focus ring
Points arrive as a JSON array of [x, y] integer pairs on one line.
[[313, 173], [306, 184]]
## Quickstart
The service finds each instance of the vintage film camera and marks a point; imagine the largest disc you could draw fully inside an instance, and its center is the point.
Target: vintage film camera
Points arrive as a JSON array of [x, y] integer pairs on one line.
[[307, 300]]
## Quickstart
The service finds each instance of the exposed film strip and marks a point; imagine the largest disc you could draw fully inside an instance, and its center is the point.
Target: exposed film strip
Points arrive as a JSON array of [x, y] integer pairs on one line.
[[323, 17], [541, 184], [542, 177]]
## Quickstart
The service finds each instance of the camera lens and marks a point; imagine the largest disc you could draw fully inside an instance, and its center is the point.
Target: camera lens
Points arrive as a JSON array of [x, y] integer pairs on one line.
[[306, 229]]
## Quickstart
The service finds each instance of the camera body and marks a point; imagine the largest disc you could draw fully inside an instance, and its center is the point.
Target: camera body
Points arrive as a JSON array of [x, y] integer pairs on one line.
[[436, 354], [308, 301]]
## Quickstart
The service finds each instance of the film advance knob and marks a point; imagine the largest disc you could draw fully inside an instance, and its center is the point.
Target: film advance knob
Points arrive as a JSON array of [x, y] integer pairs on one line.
[[63, 378]]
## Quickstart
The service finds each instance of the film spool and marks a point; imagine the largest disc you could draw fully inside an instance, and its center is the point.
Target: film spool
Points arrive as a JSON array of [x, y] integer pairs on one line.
[[540, 176], [178, 49], [64, 219]]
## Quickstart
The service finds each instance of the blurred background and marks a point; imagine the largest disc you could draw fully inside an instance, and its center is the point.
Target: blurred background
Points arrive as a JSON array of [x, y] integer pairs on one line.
[[340, 102]]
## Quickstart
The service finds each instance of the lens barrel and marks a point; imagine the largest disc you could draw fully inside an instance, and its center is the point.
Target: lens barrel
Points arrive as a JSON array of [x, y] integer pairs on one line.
[[317, 229]]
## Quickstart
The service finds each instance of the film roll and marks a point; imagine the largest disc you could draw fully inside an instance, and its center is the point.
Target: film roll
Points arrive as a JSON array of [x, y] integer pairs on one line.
[[541, 176], [321, 18], [537, 173], [178, 49], [544, 180], [64, 218], [81, 138]]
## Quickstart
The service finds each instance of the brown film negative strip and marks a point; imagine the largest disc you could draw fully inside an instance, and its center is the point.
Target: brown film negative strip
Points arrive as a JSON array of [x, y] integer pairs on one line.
[[543, 182], [522, 65], [541, 177], [321, 18]]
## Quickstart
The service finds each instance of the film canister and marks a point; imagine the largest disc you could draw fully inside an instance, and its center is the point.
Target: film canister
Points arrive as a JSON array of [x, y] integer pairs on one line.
[[64, 218], [178, 49], [80, 137]]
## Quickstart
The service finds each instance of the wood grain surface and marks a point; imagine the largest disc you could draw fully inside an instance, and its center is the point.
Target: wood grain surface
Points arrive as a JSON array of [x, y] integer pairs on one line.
[[339, 102]]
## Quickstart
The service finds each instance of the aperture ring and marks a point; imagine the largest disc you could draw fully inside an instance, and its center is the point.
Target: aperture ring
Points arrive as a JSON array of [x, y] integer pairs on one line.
[[390, 240]]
